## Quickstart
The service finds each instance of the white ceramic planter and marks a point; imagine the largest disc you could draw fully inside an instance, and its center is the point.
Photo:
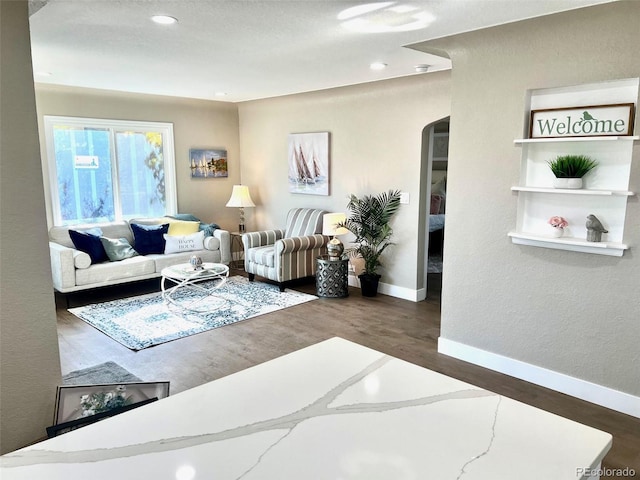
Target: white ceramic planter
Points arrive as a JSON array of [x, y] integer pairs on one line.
[[556, 232], [572, 183]]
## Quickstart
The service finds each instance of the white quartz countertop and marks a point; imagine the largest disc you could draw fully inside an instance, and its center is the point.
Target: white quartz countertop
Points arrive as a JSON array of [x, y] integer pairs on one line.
[[332, 411]]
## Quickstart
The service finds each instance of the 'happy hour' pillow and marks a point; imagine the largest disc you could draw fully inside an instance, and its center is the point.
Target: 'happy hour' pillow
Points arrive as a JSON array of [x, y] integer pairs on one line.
[[184, 243], [149, 238]]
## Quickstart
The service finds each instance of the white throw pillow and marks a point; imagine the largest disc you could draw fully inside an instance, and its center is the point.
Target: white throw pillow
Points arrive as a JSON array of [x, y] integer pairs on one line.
[[184, 243]]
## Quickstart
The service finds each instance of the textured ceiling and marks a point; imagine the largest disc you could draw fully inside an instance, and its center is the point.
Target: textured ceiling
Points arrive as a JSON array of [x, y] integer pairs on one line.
[[251, 49]]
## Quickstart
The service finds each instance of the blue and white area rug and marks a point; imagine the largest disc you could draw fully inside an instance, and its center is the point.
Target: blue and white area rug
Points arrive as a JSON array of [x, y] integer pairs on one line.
[[147, 320]]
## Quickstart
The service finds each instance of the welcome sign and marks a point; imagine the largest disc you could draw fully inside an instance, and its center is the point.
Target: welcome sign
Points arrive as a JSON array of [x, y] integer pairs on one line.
[[587, 121]]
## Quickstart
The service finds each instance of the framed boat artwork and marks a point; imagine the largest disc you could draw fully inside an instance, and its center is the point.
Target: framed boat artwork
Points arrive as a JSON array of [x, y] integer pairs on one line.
[[208, 163], [309, 163]]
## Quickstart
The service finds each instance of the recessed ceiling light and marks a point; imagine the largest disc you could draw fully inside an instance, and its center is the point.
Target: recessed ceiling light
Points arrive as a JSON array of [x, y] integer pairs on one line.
[[423, 67], [382, 17], [403, 8], [378, 66], [221, 94], [362, 10], [164, 19]]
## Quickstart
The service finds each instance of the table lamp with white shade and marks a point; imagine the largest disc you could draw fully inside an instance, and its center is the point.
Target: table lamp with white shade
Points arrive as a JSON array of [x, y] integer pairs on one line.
[[330, 222], [241, 198]]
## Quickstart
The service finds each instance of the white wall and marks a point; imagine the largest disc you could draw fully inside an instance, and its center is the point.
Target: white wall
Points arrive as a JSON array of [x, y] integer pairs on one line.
[[196, 124], [29, 359], [375, 145], [568, 312]]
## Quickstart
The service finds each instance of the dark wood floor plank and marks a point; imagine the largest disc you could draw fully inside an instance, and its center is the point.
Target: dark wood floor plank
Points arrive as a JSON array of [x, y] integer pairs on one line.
[[403, 329]]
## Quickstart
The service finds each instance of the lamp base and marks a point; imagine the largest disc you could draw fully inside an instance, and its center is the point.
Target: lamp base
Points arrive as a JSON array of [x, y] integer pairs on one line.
[[335, 248], [241, 228]]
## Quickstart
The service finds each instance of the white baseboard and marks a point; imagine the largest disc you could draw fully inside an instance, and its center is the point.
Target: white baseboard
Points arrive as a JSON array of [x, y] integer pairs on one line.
[[398, 292], [393, 290], [591, 392]]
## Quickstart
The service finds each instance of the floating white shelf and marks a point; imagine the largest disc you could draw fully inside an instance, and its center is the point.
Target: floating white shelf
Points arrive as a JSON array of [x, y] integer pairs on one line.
[[577, 191], [569, 243], [520, 141], [606, 189], [605, 197]]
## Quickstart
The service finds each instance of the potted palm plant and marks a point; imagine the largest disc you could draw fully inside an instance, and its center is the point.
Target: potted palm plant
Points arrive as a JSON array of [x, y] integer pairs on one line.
[[368, 220], [569, 170]]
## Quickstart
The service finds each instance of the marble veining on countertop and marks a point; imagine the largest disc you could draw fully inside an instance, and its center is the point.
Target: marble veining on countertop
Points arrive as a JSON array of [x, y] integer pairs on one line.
[[335, 410]]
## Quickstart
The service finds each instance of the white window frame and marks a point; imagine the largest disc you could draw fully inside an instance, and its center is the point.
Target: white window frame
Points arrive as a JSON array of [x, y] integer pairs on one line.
[[168, 152]]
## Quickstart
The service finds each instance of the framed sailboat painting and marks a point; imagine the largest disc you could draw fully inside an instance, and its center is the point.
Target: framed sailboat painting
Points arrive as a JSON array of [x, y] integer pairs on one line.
[[208, 163], [309, 163]]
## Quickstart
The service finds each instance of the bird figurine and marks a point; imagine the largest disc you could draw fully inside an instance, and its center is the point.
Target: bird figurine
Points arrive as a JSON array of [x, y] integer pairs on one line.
[[594, 229], [587, 116]]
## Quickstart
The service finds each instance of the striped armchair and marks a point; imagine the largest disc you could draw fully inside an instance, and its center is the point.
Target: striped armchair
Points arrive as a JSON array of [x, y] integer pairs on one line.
[[283, 255]]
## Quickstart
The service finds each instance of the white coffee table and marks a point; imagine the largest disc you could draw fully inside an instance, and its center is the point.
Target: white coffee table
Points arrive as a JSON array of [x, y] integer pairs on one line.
[[185, 277], [334, 410]]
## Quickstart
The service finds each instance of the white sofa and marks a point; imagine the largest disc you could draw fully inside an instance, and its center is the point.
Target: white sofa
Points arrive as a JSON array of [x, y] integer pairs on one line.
[[73, 271]]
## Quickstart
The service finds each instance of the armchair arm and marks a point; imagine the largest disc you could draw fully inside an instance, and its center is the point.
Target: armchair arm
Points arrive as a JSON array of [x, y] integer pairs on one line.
[[261, 238], [295, 257], [63, 268], [295, 244]]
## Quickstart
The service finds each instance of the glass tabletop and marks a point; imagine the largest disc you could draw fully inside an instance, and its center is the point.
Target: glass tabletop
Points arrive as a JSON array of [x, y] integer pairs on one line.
[[186, 270]]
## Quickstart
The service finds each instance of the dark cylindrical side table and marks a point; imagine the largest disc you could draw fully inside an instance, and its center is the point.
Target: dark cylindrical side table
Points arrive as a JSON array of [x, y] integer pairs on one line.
[[332, 277]]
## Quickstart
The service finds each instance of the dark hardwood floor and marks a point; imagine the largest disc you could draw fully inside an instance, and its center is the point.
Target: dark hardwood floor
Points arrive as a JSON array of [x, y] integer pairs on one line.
[[400, 328]]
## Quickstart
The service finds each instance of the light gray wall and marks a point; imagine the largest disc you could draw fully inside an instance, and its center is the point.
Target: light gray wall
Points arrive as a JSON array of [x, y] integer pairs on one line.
[[570, 312], [375, 145], [196, 124], [29, 359]]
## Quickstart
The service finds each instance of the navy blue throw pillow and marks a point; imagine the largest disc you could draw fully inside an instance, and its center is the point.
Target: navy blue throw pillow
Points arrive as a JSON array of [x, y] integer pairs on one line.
[[149, 238], [90, 244]]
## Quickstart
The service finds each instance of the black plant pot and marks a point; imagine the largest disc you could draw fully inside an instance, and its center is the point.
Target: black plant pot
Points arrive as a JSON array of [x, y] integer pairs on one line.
[[369, 284]]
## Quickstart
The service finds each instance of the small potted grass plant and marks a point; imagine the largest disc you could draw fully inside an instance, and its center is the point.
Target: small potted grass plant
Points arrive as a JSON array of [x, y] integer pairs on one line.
[[569, 170]]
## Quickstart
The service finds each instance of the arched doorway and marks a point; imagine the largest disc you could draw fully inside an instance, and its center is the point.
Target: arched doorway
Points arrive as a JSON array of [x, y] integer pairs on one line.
[[435, 148]]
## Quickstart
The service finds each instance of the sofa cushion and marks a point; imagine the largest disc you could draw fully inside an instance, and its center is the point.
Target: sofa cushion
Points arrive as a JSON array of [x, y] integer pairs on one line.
[[149, 238], [304, 221], [118, 229], [184, 216], [149, 221], [117, 248], [103, 273], [183, 243], [61, 236], [89, 242], [180, 227], [262, 255]]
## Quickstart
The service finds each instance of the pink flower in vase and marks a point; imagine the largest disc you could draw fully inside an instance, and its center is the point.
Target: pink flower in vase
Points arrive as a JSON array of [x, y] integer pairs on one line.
[[558, 222]]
